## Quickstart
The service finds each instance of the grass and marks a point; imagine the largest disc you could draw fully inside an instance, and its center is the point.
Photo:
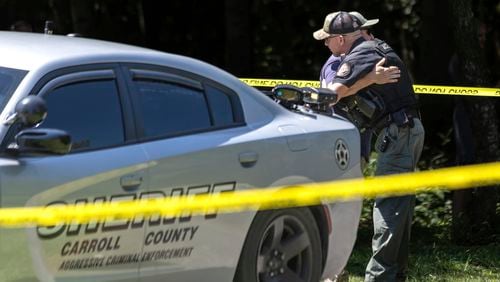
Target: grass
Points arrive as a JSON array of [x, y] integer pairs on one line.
[[433, 256], [434, 259]]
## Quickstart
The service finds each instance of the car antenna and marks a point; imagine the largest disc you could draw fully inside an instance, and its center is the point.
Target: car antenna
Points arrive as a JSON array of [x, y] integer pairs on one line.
[[49, 27]]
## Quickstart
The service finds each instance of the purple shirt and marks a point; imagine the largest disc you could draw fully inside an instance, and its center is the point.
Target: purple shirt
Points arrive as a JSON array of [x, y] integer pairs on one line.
[[329, 70]]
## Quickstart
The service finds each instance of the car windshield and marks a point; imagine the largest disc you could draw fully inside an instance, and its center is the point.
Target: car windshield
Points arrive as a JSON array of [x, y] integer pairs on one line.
[[9, 80]]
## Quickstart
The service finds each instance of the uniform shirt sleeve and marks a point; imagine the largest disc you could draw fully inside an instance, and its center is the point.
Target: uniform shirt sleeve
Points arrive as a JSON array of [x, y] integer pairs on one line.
[[356, 65]]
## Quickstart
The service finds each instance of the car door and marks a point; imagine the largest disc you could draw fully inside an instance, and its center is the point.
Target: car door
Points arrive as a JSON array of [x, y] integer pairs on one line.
[[105, 164], [189, 127]]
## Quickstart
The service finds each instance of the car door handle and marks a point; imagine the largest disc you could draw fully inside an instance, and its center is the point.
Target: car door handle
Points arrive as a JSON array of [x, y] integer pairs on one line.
[[131, 182], [248, 159]]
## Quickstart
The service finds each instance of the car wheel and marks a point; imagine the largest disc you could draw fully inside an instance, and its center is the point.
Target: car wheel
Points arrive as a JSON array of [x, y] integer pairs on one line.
[[282, 245]]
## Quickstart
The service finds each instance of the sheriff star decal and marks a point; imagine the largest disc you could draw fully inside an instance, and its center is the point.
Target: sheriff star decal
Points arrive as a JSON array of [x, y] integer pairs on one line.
[[344, 70]]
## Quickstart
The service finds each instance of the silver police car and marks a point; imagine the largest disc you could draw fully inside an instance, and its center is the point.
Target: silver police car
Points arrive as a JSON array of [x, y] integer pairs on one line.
[[123, 123]]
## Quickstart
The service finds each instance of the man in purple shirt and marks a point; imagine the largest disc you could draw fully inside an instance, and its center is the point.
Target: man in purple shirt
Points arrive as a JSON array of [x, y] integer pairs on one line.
[[329, 70]]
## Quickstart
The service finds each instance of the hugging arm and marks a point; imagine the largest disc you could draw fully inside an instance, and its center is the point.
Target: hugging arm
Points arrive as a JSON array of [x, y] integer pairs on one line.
[[378, 75]]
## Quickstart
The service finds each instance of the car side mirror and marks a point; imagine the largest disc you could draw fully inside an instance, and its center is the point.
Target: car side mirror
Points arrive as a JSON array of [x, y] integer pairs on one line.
[[31, 110], [42, 141]]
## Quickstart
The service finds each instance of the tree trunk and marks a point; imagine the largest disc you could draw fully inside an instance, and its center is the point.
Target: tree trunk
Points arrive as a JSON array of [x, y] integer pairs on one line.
[[474, 211]]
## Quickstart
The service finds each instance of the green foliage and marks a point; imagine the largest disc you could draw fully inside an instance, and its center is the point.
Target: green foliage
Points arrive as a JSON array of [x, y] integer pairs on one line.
[[440, 154], [433, 210]]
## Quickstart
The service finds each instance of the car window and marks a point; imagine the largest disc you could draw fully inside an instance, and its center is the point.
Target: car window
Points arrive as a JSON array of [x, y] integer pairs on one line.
[[89, 111], [221, 107], [170, 108], [9, 79]]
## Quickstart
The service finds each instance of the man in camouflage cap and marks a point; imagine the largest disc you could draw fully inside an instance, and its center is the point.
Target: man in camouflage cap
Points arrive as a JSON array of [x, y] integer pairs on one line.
[[379, 75], [399, 129]]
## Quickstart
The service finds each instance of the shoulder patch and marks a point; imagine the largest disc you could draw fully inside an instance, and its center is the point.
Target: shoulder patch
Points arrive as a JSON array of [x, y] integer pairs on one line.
[[344, 70]]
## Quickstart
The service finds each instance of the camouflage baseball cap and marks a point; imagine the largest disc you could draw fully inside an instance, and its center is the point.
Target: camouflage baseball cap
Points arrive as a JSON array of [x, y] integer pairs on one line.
[[337, 23], [362, 20]]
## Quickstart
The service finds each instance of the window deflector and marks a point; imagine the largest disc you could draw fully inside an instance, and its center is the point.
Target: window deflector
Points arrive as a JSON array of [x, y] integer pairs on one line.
[[167, 77], [77, 77]]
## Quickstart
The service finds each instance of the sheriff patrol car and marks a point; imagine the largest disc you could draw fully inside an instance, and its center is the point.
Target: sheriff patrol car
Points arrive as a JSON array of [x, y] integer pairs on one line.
[[122, 123]]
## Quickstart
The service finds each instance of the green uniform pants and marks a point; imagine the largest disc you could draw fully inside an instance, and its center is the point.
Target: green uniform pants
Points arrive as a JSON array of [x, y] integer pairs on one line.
[[392, 216]]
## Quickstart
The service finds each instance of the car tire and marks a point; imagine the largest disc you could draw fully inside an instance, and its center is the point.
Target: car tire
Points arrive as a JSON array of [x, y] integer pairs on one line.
[[281, 245]]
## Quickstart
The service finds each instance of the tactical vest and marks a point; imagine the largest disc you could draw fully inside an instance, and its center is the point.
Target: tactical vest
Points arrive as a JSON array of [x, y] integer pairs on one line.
[[395, 96]]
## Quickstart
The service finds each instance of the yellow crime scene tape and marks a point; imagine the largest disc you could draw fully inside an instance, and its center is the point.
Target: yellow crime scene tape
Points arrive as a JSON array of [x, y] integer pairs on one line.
[[419, 89], [268, 198]]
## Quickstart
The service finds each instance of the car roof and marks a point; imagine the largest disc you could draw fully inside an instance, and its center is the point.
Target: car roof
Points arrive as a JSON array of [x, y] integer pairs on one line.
[[41, 53], [28, 51]]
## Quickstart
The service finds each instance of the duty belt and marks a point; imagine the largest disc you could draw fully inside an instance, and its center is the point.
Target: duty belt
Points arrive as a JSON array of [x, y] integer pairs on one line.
[[402, 118]]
